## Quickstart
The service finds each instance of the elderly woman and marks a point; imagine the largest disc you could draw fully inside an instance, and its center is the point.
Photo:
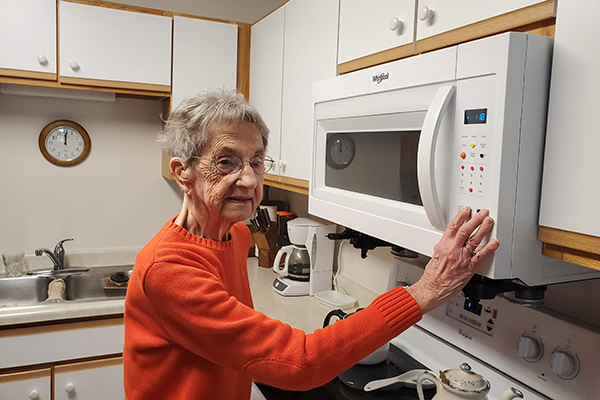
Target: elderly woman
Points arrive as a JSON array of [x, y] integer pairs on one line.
[[190, 329]]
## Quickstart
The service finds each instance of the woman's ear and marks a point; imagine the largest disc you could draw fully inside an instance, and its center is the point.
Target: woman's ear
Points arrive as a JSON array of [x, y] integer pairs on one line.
[[181, 172]]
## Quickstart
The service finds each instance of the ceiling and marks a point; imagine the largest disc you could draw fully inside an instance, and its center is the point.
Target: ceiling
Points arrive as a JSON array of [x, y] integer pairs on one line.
[[248, 11]]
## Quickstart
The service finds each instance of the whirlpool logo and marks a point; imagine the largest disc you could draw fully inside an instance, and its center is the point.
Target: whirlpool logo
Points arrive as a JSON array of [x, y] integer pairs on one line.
[[381, 77]]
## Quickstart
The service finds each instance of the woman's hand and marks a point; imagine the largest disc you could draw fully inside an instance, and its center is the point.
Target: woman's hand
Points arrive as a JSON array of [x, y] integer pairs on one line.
[[454, 259]]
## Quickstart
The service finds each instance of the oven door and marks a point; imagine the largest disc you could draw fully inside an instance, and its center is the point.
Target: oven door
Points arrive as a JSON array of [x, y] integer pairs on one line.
[[381, 163]]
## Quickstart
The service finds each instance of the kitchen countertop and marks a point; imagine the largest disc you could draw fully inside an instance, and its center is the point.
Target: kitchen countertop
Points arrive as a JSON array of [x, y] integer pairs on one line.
[[302, 312]]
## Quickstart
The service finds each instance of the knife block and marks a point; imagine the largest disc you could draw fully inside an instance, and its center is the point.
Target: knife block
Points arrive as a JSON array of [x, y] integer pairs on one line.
[[267, 246]]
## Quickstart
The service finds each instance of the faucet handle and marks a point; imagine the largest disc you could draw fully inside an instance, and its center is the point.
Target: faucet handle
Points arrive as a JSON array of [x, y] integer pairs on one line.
[[59, 251]]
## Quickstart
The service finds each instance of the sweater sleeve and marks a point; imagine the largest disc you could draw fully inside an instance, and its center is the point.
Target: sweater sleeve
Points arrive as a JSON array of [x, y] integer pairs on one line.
[[198, 314]]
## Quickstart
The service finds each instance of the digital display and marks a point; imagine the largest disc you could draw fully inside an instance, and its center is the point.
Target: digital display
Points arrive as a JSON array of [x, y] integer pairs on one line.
[[478, 116], [473, 306]]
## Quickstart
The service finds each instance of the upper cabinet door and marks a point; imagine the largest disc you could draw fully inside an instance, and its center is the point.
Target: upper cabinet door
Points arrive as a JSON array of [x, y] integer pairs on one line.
[[266, 75], [28, 38], [311, 36], [570, 190], [439, 16], [113, 45], [204, 57], [370, 27]]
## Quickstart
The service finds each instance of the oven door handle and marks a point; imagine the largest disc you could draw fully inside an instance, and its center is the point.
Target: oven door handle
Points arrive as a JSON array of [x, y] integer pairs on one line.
[[426, 156]]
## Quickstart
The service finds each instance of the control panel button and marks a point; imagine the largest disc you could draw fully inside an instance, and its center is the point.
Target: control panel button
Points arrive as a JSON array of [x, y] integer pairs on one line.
[[463, 155], [564, 364], [530, 349]]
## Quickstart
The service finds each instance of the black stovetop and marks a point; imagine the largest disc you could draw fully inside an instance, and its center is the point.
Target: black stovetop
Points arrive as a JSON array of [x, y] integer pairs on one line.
[[349, 384]]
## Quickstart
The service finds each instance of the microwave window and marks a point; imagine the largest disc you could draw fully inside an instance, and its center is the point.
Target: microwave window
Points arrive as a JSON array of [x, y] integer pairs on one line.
[[381, 164], [478, 116]]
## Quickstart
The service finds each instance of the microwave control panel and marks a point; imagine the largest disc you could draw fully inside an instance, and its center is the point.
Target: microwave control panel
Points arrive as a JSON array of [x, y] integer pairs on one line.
[[473, 143]]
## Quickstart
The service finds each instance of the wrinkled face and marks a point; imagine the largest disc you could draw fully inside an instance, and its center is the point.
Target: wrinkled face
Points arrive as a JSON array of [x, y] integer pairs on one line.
[[229, 198]]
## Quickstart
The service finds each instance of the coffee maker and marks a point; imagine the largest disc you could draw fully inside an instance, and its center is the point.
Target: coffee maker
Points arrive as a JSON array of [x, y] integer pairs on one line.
[[308, 264]]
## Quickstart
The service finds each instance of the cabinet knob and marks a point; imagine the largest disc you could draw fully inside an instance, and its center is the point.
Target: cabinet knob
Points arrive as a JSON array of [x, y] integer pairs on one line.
[[42, 59], [281, 164], [396, 24], [74, 65], [34, 395], [426, 13], [69, 388]]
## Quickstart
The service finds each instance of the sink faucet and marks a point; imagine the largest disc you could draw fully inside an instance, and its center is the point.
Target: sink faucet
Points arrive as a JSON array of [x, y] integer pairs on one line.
[[58, 257]]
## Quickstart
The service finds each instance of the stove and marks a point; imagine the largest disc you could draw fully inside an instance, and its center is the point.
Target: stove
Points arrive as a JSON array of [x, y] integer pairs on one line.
[[349, 384], [543, 354]]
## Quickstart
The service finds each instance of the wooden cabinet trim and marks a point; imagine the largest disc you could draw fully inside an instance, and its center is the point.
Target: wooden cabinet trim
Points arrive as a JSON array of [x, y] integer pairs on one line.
[[42, 329], [514, 20], [573, 247], [291, 184], [18, 73], [145, 87], [243, 59], [23, 376], [572, 240], [86, 365]]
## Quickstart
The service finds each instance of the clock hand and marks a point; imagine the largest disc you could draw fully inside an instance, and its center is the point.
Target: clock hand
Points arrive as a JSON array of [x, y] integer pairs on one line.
[[65, 137]]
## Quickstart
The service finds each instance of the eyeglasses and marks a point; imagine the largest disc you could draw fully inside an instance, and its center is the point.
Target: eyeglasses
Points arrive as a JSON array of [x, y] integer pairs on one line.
[[233, 164]]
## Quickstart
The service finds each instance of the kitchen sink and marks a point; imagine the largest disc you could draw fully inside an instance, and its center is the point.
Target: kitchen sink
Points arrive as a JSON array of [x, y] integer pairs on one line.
[[89, 285], [23, 291], [33, 289]]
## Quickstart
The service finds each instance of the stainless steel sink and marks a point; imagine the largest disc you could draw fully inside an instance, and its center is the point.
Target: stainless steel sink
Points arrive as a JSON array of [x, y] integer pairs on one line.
[[33, 289], [23, 291], [88, 285]]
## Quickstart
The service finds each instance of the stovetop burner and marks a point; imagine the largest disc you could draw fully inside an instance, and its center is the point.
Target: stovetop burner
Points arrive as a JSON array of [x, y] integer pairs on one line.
[[350, 383]]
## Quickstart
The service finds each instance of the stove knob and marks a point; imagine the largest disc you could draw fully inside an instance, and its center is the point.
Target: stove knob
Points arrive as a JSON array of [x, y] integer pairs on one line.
[[564, 364], [530, 349]]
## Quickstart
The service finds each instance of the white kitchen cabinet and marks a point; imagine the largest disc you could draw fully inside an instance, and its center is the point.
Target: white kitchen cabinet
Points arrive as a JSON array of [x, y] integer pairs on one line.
[[370, 27], [310, 54], [439, 16], [34, 385], [28, 38], [204, 56], [266, 74], [110, 47], [91, 380], [569, 211]]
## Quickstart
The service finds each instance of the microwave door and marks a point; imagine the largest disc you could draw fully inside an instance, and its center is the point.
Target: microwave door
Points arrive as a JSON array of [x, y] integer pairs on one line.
[[427, 157]]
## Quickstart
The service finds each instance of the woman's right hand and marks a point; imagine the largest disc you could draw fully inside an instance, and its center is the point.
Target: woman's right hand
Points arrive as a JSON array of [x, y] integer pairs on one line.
[[454, 259]]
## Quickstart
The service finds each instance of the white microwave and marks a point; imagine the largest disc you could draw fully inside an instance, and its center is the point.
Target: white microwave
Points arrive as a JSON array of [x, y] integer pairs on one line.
[[399, 148]]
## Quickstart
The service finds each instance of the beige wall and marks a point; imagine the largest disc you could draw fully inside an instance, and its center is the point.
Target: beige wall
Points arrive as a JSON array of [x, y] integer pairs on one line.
[[115, 199]]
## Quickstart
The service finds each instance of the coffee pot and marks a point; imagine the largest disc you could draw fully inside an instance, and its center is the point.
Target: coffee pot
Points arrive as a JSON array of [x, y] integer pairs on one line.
[[461, 384], [296, 265], [308, 264]]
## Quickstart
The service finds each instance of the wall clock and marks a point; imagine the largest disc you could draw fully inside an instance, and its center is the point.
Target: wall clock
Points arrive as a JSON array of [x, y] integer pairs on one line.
[[64, 143], [340, 151]]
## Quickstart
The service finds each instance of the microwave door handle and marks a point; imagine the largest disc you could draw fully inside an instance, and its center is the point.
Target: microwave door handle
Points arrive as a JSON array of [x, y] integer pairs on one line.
[[426, 156]]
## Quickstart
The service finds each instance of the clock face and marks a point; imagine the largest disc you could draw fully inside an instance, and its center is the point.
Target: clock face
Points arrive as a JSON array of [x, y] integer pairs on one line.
[[340, 151], [64, 143]]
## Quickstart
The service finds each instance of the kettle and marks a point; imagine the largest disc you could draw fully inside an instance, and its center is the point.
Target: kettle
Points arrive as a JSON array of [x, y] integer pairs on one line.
[[375, 357], [296, 265], [460, 384]]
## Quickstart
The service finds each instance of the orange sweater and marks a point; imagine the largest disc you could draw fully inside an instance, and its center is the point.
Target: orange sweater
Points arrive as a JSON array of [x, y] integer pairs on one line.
[[191, 331]]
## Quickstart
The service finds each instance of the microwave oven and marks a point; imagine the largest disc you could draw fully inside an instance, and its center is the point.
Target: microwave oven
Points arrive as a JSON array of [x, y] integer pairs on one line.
[[399, 148]]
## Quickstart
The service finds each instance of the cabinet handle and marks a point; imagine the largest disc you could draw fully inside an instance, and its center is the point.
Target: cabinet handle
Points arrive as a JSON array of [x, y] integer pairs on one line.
[[70, 388], [74, 65], [426, 13], [396, 24], [34, 395], [42, 59]]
